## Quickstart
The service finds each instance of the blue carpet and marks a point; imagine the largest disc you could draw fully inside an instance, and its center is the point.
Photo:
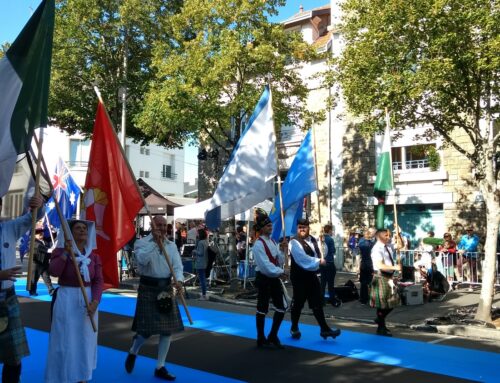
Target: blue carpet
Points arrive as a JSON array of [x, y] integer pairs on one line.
[[447, 360], [34, 365]]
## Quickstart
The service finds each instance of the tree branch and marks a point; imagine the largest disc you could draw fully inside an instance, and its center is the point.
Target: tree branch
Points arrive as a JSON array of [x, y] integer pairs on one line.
[[215, 140]]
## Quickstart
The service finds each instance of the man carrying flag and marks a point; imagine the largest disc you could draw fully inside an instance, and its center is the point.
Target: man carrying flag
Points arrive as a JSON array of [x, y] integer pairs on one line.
[[24, 86], [112, 199]]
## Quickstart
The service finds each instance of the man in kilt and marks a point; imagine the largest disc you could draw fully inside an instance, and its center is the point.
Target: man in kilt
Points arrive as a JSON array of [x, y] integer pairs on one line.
[[269, 260], [157, 312], [13, 344], [306, 260], [384, 295]]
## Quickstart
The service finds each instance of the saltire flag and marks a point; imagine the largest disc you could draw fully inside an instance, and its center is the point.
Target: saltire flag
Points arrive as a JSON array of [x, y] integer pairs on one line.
[[66, 191], [299, 182], [249, 176], [24, 89], [112, 199], [385, 180]]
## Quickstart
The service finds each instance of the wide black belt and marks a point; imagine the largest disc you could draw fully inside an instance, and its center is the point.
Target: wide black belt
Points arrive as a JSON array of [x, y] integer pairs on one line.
[[155, 282]]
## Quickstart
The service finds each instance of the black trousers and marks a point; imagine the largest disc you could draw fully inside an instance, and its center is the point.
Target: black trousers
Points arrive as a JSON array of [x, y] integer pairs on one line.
[[328, 273], [269, 289], [365, 279], [43, 271], [306, 287]]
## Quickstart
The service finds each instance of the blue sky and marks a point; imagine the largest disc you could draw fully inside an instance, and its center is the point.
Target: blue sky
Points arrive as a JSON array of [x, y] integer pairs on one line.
[[15, 13]]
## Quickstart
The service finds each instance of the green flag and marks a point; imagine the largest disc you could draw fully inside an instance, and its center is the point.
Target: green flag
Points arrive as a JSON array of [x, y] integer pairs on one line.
[[384, 181], [24, 86]]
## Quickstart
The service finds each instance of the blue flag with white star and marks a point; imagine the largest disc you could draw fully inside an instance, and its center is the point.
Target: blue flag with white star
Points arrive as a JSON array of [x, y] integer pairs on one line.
[[66, 190]]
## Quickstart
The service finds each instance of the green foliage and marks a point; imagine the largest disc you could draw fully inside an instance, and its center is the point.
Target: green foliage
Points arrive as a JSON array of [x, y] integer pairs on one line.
[[91, 39], [211, 71], [3, 49], [430, 62]]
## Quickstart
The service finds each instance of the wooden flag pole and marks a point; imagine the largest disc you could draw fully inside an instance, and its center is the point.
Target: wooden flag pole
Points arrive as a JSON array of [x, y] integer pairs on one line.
[[153, 225], [67, 237], [34, 213], [317, 192]]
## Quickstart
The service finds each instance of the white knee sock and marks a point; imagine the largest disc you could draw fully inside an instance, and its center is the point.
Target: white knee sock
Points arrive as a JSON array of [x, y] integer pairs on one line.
[[136, 346], [163, 347]]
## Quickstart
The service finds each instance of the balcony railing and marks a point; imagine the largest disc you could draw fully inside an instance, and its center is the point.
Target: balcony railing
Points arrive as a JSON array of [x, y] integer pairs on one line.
[[169, 175], [414, 164], [78, 164]]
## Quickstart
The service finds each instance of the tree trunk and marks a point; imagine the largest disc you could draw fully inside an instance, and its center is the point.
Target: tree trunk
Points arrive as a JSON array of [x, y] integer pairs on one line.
[[489, 269]]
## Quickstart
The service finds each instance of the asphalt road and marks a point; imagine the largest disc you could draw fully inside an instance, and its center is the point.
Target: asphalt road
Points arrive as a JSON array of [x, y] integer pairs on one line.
[[218, 352]]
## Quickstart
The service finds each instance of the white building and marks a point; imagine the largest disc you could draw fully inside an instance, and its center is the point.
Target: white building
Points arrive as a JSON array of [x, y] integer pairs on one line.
[[162, 169]]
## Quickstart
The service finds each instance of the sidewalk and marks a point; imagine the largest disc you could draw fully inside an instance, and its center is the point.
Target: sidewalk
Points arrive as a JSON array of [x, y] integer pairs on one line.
[[418, 317]]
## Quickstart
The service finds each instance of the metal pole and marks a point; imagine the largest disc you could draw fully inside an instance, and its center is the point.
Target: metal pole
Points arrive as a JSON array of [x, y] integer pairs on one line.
[[247, 253]]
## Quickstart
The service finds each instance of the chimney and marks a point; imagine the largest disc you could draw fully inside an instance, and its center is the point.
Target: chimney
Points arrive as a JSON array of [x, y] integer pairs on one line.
[[301, 8]]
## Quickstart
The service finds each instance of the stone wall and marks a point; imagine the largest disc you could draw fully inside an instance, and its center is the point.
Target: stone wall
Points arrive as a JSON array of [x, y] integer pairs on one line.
[[467, 207]]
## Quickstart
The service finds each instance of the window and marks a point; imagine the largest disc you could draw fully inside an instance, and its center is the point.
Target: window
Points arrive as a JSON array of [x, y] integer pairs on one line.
[[141, 173], [167, 171], [13, 204], [144, 151], [79, 152], [414, 157], [146, 174]]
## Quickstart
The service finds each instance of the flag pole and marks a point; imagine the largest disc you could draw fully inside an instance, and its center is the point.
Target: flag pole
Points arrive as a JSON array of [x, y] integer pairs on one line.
[[280, 193], [67, 238], [153, 225], [34, 213], [317, 191], [399, 240], [50, 231]]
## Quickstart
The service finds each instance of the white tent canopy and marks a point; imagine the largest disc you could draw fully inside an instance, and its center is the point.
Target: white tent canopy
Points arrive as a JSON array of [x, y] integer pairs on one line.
[[197, 210]]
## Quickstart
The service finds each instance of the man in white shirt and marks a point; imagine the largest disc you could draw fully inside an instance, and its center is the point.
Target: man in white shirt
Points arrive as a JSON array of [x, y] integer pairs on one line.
[[270, 261], [306, 259], [155, 316], [192, 233], [383, 295]]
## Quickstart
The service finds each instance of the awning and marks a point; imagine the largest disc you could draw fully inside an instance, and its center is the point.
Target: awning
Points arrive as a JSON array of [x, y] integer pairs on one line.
[[158, 205]]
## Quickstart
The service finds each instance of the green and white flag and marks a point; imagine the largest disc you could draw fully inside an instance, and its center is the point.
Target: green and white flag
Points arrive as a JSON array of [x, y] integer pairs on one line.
[[384, 181], [24, 89]]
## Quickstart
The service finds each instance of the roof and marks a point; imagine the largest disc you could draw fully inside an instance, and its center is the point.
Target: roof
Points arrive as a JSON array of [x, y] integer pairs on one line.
[[305, 15], [322, 40], [157, 203]]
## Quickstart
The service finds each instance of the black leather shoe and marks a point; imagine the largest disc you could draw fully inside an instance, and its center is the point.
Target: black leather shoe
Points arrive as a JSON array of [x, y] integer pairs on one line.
[[333, 333], [275, 343], [295, 334], [383, 331], [162, 373], [130, 362], [262, 342]]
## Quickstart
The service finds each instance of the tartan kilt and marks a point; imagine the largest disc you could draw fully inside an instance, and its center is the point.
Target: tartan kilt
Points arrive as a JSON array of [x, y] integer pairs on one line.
[[382, 295], [148, 320], [13, 343]]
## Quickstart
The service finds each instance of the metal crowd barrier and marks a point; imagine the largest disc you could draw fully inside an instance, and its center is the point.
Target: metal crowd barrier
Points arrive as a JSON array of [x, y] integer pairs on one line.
[[458, 268]]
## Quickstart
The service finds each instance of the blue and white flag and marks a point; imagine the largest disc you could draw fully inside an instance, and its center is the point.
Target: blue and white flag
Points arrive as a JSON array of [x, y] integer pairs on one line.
[[66, 190], [299, 182], [249, 176]]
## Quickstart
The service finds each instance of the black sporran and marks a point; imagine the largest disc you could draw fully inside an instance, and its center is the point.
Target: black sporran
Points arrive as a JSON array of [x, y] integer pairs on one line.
[[164, 301]]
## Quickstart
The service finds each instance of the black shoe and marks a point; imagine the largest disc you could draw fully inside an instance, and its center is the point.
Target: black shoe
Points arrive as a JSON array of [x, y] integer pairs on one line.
[[295, 334], [383, 331], [262, 342], [33, 294], [275, 342], [335, 332], [130, 362], [162, 373]]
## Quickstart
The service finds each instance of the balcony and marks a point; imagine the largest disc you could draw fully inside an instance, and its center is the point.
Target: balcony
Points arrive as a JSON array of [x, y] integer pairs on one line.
[[411, 165]]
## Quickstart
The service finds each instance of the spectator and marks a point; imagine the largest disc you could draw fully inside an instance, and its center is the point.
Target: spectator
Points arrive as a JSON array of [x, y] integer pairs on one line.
[[192, 233], [467, 247], [329, 270], [366, 265], [14, 345], [41, 258], [448, 253], [200, 262], [435, 284], [241, 244], [72, 354]]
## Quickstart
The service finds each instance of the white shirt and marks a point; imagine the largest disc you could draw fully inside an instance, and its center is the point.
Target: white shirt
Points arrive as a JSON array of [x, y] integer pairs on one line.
[[382, 253], [192, 234], [264, 265], [12, 230], [300, 256], [152, 263]]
